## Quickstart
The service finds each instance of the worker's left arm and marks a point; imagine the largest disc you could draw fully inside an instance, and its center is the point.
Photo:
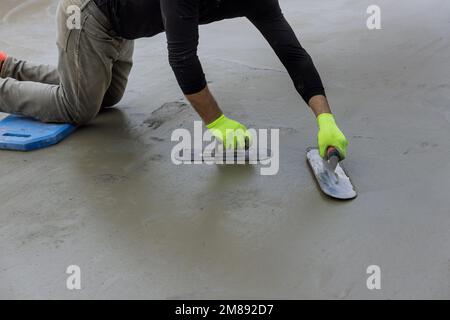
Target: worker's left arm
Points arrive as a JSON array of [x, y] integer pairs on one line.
[[270, 21]]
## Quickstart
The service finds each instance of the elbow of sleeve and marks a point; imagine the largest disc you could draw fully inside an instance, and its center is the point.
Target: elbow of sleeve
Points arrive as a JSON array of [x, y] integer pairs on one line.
[[189, 74], [187, 68], [306, 78], [181, 52], [178, 59]]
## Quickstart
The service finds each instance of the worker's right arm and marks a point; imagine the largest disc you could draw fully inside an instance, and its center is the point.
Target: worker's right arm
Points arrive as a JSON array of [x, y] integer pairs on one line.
[[181, 20]]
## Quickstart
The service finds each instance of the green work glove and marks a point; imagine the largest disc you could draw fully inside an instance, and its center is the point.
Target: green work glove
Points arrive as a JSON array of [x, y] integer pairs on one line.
[[231, 133], [330, 136]]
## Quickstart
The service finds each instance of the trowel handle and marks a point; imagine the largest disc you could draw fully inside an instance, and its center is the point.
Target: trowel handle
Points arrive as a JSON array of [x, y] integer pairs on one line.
[[333, 152]]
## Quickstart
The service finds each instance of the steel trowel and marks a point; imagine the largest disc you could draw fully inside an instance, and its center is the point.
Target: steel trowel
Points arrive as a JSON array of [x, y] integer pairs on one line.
[[330, 175]]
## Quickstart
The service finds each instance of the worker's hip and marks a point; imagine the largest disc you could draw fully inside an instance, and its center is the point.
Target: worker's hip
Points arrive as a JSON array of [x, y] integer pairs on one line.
[[83, 16]]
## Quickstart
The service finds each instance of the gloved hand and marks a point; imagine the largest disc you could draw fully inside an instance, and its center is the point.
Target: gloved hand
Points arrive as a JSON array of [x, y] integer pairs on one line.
[[330, 136], [231, 133]]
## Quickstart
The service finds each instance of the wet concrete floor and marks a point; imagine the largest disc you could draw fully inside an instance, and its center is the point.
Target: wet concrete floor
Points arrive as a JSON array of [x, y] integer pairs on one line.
[[109, 199]]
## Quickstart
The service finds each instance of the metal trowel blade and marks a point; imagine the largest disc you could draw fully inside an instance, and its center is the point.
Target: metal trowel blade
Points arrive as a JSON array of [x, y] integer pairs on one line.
[[227, 157], [334, 183]]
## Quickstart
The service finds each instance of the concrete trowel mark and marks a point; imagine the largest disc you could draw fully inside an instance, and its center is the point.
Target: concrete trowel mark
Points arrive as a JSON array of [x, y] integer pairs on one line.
[[421, 148], [109, 178], [166, 112], [243, 64]]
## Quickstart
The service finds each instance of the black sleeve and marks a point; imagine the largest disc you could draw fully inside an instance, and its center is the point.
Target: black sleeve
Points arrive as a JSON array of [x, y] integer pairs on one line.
[[271, 23], [181, 19]]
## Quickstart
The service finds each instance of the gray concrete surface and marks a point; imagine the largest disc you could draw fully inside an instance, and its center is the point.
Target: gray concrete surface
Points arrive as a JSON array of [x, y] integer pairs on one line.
[[109, 199]]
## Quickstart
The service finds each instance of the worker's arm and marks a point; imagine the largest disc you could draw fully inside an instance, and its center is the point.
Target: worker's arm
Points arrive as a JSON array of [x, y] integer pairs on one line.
[[205, 105], [232, 133], [181, 19], [270, 21]]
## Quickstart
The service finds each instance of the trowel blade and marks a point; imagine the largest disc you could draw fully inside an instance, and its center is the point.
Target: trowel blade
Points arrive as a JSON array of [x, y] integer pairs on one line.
[[226, 157], [334, 184]]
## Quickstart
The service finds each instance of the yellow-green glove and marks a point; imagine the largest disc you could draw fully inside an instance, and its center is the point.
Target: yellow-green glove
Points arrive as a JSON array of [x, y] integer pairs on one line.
[[330, 136], [231, 133]]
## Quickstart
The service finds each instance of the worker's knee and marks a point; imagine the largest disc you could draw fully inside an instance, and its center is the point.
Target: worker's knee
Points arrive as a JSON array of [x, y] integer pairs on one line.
[[84, 114], [86, 117], [80, 109]]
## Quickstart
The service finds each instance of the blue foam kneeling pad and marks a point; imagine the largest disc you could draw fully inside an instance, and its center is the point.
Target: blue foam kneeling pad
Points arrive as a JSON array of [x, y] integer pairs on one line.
[[25, 134]]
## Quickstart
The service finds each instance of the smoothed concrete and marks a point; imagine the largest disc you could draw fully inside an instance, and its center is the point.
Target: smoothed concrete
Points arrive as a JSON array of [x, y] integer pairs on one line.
[[109, 199]]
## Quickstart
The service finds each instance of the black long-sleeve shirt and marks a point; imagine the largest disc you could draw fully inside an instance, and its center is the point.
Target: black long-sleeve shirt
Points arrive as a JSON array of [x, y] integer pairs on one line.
[[180, 19]]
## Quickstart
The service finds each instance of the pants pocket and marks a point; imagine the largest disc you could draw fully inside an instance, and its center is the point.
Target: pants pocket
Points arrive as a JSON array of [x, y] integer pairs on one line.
[[94, 29]]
